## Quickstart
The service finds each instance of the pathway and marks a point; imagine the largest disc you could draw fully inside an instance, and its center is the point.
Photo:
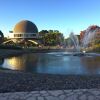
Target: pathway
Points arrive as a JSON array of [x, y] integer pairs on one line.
[[79, 94]]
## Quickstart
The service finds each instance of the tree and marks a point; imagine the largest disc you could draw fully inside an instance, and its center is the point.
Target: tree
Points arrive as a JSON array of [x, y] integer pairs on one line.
[[69, 42], [50, 31], [1, 37], [53, 38], [43, 32]]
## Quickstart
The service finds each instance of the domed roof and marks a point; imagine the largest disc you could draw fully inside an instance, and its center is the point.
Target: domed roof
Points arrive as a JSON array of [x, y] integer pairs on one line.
[[25, 26]]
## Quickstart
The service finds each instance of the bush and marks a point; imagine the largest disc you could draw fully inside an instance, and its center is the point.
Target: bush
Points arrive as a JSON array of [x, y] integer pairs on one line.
[[10, 47]]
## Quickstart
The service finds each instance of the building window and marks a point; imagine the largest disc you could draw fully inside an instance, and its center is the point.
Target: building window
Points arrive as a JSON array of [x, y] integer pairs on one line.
[[26, 35], [18, 35], [33, 35]]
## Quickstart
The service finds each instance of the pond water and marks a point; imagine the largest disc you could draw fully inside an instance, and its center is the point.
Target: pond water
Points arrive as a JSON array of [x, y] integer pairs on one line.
[[53, 63]]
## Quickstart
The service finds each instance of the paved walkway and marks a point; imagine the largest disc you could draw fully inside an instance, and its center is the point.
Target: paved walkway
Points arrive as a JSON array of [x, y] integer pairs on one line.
[[81, 94]]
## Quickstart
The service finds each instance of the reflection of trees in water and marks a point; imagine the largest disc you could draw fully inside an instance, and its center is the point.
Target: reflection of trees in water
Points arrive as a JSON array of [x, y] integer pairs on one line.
[[24, 62], [1, 61], [50, 63], [92, 64]]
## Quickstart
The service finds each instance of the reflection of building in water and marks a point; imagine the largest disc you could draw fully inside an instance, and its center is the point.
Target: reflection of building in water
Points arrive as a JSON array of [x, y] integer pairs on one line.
[[92, 64], [25, 62]]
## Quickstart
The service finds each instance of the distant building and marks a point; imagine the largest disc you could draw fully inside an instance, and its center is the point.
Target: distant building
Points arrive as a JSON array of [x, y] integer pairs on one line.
[[23, 32]]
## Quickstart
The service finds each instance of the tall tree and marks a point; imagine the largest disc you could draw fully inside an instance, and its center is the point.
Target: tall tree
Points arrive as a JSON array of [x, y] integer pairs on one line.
[[54, 38], [43, 32]]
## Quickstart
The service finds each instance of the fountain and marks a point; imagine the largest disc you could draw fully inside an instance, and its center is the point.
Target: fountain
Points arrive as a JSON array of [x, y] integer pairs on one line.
[[75, 40], [89, 36]]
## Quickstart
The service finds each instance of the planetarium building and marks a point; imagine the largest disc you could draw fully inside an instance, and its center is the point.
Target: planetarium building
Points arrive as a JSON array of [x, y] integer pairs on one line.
[[24, 31]]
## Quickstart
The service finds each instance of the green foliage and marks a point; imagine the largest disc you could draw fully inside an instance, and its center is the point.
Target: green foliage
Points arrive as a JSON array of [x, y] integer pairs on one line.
[[43, 32], [97, 41], [52, 37], [10, 47], [96, 48], [5, 39], [69, 42], [1, 37]]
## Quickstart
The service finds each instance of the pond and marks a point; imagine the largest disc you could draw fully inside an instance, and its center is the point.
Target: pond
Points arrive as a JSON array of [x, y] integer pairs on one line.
[[53, 63]]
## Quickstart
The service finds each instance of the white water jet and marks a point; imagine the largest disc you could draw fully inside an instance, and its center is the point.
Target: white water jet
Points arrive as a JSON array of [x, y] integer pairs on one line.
[[89, 36], [75, 40]]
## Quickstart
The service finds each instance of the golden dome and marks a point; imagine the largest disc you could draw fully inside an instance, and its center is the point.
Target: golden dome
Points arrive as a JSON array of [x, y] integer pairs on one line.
[[25, 26]]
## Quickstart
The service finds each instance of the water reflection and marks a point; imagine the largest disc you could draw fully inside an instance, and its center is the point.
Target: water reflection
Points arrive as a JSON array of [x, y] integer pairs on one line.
[[25, 62], [54, 64], [92, 64]]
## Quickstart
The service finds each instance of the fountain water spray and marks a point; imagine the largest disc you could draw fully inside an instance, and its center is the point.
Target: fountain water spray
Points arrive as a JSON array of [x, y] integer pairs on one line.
[[75, 40], [88, 36]]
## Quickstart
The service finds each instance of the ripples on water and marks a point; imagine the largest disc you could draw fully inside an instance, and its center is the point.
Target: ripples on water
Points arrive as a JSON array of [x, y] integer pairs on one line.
[[54, 63]]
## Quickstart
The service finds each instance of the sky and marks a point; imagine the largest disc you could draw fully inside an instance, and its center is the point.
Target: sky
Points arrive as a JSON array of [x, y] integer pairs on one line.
[[62, 15]]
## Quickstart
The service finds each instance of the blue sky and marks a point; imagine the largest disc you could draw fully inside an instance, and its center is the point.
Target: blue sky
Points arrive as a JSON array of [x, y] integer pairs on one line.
[[62, 15]]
